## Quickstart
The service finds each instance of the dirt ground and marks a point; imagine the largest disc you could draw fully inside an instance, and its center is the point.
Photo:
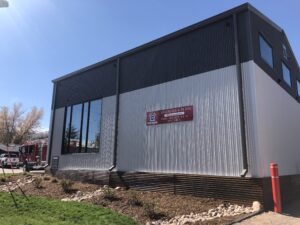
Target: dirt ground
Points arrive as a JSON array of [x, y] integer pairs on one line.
[[165, 206]]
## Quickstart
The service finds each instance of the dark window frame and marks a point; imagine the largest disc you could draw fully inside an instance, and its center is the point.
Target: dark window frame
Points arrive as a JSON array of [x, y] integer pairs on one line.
[[298, 87], [67, 150], [285, 52], [288, 68], [263, 37]]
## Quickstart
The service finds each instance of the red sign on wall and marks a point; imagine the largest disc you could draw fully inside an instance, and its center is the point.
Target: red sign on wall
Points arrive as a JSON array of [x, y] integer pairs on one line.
[[184, 113]]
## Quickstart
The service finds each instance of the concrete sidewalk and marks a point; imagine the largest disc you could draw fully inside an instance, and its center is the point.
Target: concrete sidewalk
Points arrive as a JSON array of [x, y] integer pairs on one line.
[[290, 216]]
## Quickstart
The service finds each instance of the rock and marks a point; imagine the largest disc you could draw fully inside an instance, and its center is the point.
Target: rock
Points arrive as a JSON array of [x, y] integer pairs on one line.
[[118, 188], [256, 206], [105, 186]]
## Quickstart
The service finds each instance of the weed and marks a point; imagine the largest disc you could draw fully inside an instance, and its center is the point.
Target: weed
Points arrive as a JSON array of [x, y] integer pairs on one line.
[[47, 178], [109, 193], [134, 199], [54, 180], [67, 185], [37, 182], [149, 210]]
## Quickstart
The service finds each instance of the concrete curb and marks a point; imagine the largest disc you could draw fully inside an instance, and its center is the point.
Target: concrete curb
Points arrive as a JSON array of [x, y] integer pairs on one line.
[[245, 217]]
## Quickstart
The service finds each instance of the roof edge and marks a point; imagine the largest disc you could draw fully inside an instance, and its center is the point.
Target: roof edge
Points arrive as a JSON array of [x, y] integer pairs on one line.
[[203, 23]]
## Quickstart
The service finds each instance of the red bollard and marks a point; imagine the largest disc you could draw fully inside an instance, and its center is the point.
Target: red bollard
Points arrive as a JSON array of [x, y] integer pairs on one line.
[[275, 187]]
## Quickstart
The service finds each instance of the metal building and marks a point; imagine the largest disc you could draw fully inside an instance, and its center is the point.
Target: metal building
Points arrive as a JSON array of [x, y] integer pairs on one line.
[[197, 111]]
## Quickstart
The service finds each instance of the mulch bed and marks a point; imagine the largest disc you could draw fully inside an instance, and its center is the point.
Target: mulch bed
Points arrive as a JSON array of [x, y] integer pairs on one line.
[[130, 202]]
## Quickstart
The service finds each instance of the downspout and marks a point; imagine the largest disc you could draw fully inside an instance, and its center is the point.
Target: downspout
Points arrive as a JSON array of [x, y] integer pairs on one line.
[[241, 98], [116, 117], [52, 124]]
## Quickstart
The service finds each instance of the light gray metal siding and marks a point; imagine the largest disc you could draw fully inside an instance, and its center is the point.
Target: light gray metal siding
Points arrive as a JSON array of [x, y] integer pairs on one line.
[[88, 161], [210, 144], [275, 116]]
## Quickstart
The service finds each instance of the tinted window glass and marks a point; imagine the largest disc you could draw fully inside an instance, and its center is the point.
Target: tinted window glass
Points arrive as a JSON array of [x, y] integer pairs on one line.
[[75, 129], [84, 126], [286, 74], [298, 87], [285, 54], [66, 129], [93, 143], [266, 51]]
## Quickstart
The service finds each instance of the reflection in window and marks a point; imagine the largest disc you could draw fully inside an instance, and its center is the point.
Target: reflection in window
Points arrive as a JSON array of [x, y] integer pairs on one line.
[[93, 141], [75, 128], [298, 87], [285, 54], [286, 74], [82, 128], [266, 51], [66, 130]]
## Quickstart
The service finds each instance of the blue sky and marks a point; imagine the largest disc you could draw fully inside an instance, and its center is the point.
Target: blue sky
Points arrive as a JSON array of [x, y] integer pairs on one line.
[[43, 39]]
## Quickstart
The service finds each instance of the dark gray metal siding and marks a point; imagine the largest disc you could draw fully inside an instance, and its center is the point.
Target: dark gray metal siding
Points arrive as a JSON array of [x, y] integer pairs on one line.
[[197, 51], [95, 83], [275, 38]]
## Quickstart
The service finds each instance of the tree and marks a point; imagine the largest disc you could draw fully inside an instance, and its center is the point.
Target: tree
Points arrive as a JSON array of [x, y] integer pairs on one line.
[[16, 125]]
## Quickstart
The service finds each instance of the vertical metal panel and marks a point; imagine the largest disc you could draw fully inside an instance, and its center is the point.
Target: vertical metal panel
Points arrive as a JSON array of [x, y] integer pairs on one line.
[[90, 161], [277, 129], [250, 117], [58, 127], [276, 38], [94, 83], [204, 49], [210, 144]]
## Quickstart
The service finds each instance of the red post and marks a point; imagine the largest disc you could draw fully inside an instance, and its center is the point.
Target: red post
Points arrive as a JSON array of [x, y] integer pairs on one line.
[[275, 187]]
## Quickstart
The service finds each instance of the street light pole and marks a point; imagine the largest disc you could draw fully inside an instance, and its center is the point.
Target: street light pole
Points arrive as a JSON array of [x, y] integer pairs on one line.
[[3, 3]]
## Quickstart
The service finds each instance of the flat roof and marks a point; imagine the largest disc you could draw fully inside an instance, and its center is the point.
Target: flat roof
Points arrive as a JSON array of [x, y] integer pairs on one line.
[[213, 19]]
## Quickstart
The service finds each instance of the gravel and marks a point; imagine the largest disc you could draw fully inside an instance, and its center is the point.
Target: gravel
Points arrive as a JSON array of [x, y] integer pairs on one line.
[[223, 210]]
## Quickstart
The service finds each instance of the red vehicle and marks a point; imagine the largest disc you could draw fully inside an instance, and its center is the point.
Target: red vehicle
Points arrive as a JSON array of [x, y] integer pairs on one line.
[[34, 151]]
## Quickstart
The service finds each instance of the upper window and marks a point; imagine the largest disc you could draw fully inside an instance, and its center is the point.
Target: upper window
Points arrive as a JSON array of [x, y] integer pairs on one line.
[[286, 74], [298, 87], [82, 128], [284, 51], [266, 51]]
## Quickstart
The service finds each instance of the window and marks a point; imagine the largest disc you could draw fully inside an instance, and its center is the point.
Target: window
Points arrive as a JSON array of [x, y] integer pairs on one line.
[[285, 54], [286, 74], [82, 128], [74, 134], [66, 130], [93, 137], [298, 87], [266, 51]]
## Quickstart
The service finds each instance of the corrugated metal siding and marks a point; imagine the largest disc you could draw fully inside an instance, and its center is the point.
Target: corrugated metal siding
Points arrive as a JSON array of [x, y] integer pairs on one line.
[[249, 90], [210, 144], [276, 39], [278, 125], [95, 83], [90, 161], [201, 50], [57, 131]]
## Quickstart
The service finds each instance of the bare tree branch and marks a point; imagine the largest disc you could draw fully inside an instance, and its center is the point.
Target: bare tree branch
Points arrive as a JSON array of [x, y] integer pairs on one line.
[[16, 126]]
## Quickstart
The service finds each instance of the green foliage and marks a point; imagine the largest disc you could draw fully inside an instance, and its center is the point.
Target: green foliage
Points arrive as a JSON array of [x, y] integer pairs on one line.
[[109, 193], [37, 182], [66, 185], [134, 199], [43, 211], [149, 210]]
